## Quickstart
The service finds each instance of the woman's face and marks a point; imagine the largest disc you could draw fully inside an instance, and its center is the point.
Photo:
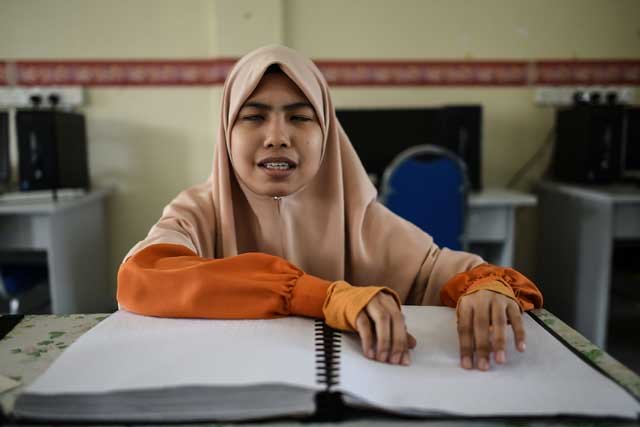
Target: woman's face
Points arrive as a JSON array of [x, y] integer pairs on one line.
[[276, 140]]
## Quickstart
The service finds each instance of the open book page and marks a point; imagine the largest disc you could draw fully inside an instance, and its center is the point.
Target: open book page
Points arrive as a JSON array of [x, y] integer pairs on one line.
[[547, 379], [132, 352]]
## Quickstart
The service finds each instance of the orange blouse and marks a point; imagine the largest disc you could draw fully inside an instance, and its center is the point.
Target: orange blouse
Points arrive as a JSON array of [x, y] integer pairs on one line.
[[170, 280]]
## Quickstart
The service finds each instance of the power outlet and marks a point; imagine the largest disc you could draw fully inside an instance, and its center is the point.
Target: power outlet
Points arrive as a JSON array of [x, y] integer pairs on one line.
[[20, 97], [559, 96]]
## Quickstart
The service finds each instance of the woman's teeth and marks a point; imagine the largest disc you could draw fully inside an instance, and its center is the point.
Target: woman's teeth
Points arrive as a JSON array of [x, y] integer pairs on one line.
[[277, 166]]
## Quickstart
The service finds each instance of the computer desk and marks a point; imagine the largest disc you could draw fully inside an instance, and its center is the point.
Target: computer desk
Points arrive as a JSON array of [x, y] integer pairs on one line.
[[491, 223], [578, 227], [70, 234]]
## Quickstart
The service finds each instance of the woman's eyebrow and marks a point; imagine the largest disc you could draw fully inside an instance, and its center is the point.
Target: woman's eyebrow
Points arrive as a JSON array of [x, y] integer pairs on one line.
[[297, 105], [288, 107]]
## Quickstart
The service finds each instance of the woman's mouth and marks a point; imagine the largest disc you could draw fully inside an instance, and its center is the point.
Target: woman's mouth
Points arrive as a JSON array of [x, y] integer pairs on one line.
[[277, 168]]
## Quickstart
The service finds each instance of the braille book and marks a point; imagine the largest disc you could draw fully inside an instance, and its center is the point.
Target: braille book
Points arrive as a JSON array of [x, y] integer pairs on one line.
[[133, 368]]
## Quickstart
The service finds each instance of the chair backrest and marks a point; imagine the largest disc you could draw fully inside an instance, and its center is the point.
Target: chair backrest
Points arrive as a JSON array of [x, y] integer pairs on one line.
[[428, 186]]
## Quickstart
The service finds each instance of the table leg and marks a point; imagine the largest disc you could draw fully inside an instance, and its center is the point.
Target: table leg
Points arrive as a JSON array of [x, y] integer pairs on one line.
[[76, 258], [574, 260]]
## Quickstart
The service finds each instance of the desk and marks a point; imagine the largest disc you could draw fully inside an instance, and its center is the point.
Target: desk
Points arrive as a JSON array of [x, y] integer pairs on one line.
[[491, 223], [71, 231], [37, 341], [579, 226]]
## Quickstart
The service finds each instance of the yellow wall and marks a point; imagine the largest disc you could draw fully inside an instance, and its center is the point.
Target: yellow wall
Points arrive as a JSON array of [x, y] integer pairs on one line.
[[519, 29], [152, 142], [106, 29], [149, 143]]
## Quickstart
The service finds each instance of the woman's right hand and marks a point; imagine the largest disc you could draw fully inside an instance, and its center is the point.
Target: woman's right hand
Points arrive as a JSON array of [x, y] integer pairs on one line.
[[383, 332]]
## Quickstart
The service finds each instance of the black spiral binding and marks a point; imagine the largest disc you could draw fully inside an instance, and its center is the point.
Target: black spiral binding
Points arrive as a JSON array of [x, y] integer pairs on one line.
[[329, 405]]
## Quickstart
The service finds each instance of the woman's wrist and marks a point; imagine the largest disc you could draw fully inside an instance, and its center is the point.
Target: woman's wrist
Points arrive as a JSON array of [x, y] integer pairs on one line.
[[494, 285], [344, 302]]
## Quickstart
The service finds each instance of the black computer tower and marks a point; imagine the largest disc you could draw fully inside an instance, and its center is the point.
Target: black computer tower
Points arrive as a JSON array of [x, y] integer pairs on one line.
[[52, 150], [588, 144], [5, 163]]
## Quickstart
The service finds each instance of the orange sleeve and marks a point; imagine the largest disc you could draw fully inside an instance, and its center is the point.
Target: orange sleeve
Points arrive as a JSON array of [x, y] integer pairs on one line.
[[170, 280], [506, 281]]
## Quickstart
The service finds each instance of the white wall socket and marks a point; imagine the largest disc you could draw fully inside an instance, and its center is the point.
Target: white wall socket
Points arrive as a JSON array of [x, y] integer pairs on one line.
[[19, 97], [558, 96]]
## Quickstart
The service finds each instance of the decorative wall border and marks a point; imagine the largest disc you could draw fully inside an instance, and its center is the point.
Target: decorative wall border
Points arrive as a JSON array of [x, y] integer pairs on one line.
[[208, 72], [425, 73], [3, 74], [600, 72], [117, 73]]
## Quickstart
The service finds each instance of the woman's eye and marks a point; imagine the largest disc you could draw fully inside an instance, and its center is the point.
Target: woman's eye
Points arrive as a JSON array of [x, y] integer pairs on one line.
[[253, 118], [300, 119]]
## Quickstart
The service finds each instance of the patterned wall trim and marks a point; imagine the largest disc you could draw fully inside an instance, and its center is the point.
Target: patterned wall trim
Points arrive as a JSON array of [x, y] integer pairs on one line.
[[3, 74], [207, 72], [621, 72]]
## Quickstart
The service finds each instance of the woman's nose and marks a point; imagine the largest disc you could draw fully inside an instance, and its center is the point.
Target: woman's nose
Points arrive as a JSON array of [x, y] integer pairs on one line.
[[276, 133]]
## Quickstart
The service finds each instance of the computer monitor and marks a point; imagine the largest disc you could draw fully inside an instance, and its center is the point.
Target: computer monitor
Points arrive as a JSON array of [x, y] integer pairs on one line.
[[378, 135]]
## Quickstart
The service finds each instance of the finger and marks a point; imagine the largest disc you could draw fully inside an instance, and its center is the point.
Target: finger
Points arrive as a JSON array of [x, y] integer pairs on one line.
[[398, 337], [404, 340], [398, 330], [411, 344], [364, 328], [513, 311], [499, 325], [382, 319], [481, 336], [411, 341], [465, 335]]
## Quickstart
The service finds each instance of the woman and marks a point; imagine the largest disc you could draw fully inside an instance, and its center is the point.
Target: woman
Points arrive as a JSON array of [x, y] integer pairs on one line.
[[288, 224]]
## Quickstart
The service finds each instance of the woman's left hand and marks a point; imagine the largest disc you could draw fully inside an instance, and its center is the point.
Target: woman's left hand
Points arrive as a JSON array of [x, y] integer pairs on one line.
[[482, 324]]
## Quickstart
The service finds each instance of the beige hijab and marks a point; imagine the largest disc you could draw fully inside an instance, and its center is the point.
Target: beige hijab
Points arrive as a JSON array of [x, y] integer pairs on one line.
[[332, 228]]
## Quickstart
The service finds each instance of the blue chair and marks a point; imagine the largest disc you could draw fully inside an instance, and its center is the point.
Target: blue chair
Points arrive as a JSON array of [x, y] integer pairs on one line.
[[428, 186]]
